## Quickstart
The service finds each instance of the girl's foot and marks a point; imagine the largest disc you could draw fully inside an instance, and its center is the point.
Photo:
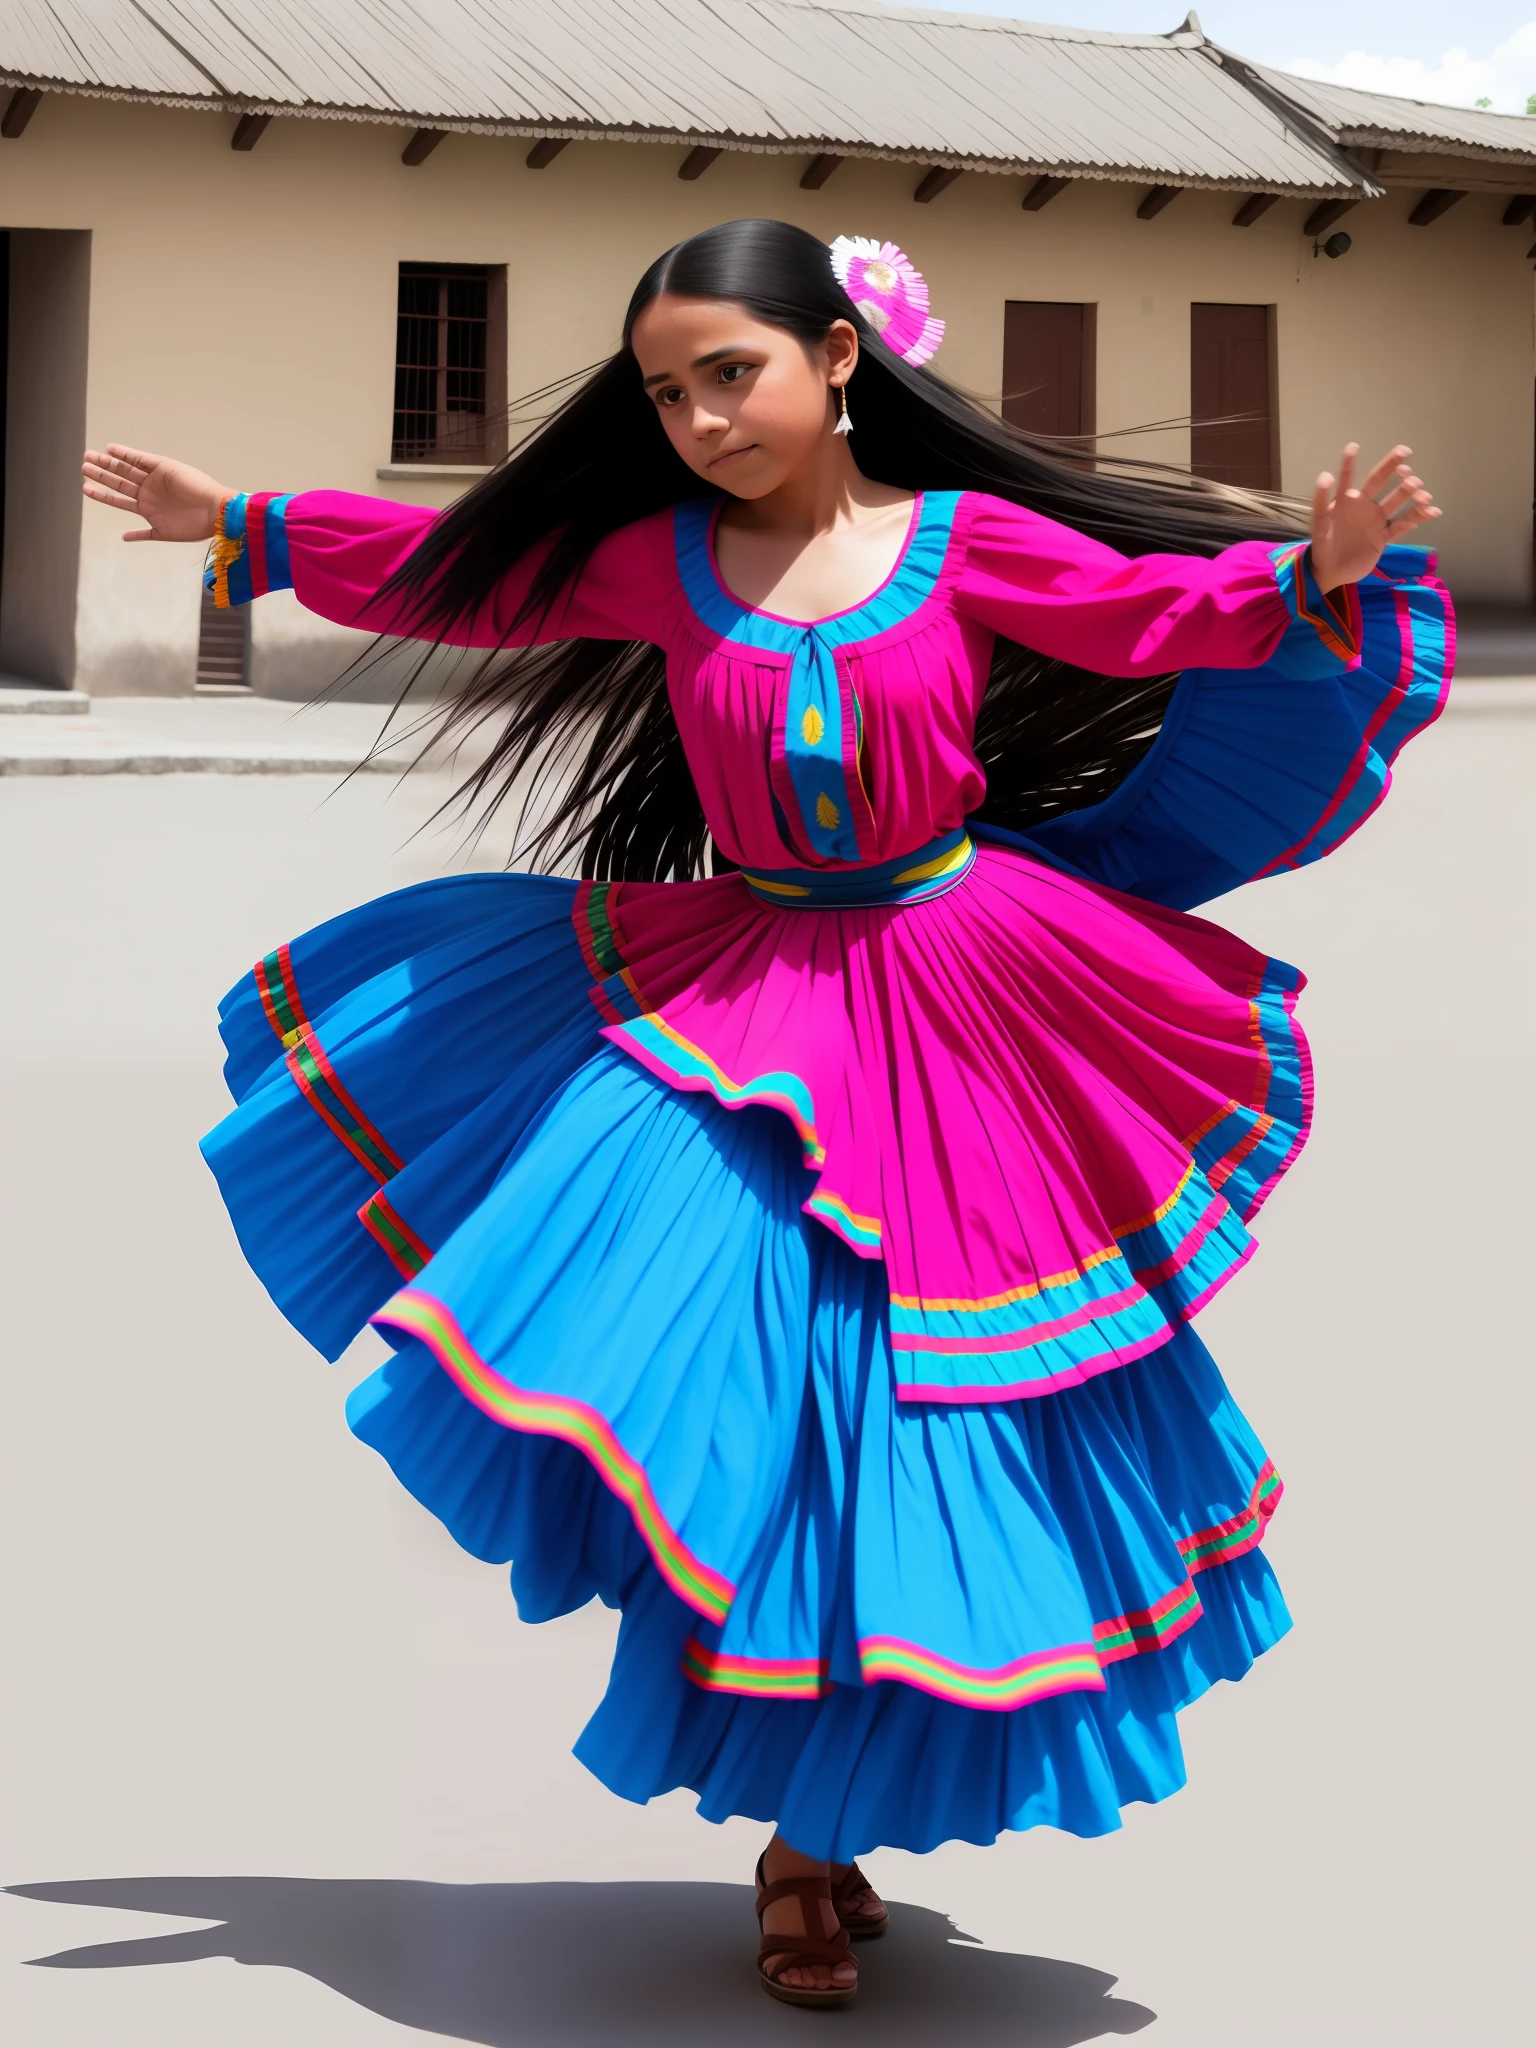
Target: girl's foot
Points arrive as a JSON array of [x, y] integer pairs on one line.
[[803, 1957], [860, 1909]]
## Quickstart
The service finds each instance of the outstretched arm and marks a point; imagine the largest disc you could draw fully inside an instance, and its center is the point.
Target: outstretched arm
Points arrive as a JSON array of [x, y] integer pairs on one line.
[[338, 551], [1052, 588]]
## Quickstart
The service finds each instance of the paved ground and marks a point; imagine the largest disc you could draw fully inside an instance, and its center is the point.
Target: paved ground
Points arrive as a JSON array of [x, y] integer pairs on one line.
[[257, 1710]]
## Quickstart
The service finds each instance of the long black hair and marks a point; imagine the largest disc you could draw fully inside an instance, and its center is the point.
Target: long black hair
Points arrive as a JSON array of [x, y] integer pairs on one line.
[[590, 718]]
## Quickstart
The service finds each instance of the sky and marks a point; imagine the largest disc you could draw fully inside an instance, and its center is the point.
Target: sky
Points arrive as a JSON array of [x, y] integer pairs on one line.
[[1404, 46]]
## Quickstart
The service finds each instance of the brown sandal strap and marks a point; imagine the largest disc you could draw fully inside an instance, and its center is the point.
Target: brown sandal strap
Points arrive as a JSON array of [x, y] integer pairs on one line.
[[795, 1949], [800, 1949], [802, 1888]]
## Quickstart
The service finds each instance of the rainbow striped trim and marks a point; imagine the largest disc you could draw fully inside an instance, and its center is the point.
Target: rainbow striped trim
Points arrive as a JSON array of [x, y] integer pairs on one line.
[[249, 553], [1079, 1667], [764, 1678], [1242, 1533], [406, 1252], [424, 1317], [1019, 1684], [916, 877], [859, 1233], [664, 1051], [279, 993]]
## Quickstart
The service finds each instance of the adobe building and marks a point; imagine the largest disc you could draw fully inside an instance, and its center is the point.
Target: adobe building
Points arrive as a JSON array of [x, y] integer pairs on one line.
[[324, 243]]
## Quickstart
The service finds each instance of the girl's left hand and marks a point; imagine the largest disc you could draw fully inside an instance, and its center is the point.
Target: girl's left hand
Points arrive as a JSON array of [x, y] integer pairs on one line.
[[1351, 525]]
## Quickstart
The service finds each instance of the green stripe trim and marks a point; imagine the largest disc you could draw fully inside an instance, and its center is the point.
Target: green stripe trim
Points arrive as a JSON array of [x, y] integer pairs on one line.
[[277, 990], [604, 944], [319, 1083], [1148, 1631]]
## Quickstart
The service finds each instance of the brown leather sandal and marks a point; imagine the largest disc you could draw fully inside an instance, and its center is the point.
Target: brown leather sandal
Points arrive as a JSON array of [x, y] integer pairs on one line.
[[861, 1926], [800, 1951]]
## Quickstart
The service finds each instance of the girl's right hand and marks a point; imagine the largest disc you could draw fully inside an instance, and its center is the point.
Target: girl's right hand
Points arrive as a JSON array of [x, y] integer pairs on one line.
[[180, 502]]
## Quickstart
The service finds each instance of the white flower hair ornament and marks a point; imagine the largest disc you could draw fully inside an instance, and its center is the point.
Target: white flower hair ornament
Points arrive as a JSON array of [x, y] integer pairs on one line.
[[890, 292]]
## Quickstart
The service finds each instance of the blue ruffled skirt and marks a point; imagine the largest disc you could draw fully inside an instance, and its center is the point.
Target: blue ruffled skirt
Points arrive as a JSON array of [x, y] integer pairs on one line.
[[626, 1361]]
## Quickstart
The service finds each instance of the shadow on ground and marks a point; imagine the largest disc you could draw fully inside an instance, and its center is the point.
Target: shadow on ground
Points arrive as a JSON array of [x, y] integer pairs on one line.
[[586, 1965]]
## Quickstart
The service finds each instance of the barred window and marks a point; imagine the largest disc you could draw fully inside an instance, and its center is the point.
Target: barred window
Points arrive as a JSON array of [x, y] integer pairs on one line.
[[450, 363]]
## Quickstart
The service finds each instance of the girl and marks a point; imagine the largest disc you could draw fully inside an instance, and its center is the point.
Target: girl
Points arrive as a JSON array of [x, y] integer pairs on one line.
[[803, 1259]]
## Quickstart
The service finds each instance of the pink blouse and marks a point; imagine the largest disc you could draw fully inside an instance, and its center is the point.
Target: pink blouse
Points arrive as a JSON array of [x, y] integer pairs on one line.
[[838, 741]]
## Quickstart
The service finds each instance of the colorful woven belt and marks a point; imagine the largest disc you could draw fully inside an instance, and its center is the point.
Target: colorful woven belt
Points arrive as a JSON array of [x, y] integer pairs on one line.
[[910, 878]]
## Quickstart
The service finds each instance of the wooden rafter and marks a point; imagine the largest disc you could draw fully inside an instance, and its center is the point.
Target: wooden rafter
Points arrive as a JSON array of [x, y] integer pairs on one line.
[[934, 181], [1159, 197], [1042, 192], [24, 103], [818, 172], [1324, 215]]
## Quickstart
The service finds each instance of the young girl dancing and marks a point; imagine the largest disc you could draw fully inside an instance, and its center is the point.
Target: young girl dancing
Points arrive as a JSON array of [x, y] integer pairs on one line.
[[803, 1259]]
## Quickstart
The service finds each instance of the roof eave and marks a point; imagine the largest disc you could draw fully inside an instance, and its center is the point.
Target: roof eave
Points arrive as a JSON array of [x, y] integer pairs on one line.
[[1351, 177], [1409, 140]]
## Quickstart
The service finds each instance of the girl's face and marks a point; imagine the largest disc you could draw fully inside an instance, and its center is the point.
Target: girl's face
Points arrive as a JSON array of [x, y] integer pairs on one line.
[[745, 404]]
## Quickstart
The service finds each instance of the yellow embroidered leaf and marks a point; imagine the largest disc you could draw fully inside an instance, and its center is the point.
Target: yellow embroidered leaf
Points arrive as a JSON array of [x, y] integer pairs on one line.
[[812, 726], [827, 813]]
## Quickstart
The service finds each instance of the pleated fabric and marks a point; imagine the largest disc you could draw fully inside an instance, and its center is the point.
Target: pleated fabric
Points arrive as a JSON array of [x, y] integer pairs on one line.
[[1058, 1576]]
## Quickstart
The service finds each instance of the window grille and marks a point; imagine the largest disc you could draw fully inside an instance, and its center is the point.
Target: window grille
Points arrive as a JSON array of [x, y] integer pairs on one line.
[[450, 364]]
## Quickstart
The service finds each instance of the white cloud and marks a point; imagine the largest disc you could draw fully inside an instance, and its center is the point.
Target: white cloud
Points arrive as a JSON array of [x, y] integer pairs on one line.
[[1507, 76]]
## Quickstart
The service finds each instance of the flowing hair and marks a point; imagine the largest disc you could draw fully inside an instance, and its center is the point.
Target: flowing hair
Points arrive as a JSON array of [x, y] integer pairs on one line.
[[591, 717]]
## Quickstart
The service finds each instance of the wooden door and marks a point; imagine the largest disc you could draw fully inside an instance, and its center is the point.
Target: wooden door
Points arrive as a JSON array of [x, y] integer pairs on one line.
[[1231, 395], [1048, 366]]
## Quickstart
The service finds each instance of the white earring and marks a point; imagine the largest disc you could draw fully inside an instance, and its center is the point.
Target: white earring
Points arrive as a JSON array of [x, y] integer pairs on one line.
[[844, 423]]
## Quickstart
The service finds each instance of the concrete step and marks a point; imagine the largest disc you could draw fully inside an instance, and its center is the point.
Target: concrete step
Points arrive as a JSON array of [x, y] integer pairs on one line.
[[26, 700]]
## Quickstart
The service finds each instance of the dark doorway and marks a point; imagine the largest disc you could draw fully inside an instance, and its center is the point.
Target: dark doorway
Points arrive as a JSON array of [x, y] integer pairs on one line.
[[5, 346], [48, 273], [1234, 426], [1048, 363]]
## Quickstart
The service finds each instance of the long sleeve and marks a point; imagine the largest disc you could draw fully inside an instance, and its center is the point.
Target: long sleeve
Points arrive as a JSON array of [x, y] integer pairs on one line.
[[1261, 770], [336, 550], [1055, 590]]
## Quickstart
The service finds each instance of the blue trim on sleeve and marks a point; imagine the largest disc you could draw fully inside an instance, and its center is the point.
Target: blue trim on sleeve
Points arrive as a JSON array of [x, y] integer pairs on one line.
[[279, 567], [1264, 769]]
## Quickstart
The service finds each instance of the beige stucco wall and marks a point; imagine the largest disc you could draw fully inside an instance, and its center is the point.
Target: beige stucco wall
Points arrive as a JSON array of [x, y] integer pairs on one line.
[[242, 316]]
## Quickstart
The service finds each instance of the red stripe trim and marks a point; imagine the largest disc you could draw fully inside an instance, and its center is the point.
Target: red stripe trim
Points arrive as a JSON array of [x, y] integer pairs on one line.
[[290, 984], [1254, 1519], [259, 971], [337, 1129], [372, 1216], [256, 540], [1163, 1632], [1384, 711], [290, 992], [318, 1053]]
